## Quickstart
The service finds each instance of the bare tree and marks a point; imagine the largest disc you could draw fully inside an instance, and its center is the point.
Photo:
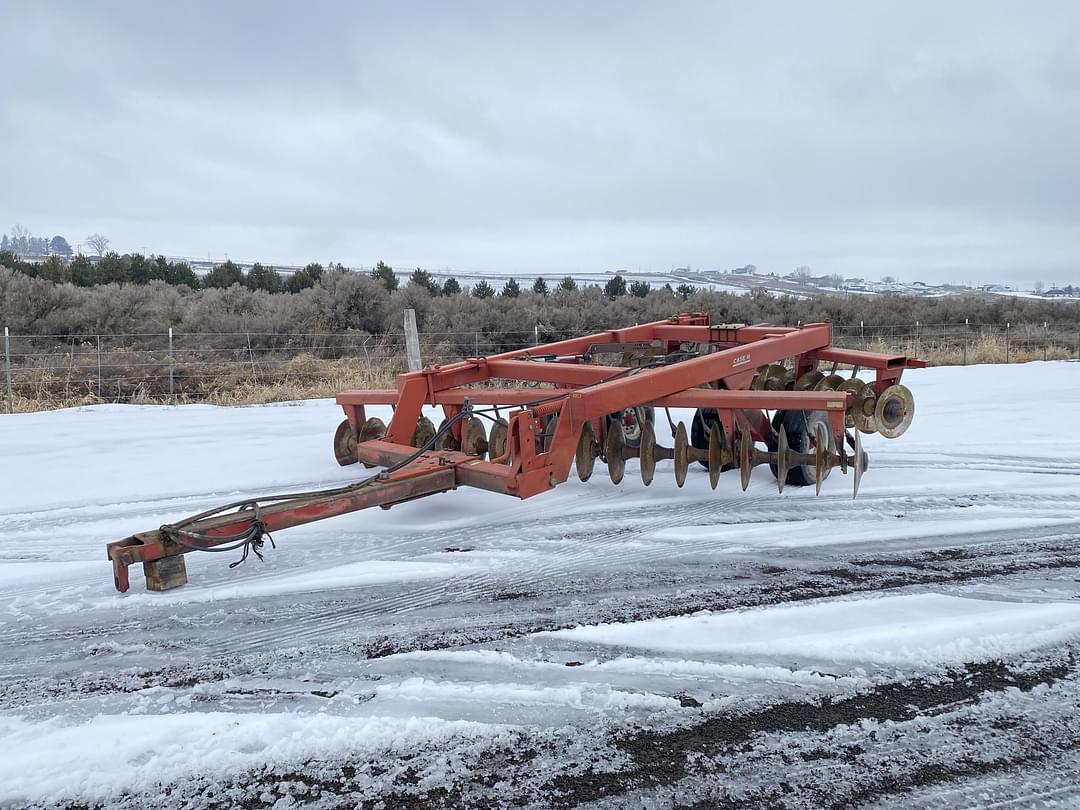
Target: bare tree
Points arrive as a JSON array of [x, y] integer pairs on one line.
[[1039, 287], [98, 243], [802, 273]]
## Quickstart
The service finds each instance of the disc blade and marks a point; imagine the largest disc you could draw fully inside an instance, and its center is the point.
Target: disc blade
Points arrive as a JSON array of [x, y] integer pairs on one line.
[[497, 440], [863, 409], [821, 455], [858, 465], [894, 411], [746, 450], [474, 437], [681, 455], [716, 456], [423, 433], [647, 452], [615, 447], [585, 457], [345, 444], [781, 459]]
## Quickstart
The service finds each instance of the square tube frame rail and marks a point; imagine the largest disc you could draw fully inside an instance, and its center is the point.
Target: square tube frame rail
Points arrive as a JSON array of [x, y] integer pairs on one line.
[[578, 391]]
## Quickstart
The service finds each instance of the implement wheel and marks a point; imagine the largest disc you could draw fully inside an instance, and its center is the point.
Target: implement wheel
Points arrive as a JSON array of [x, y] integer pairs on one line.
[[801, 427], [703, 423]]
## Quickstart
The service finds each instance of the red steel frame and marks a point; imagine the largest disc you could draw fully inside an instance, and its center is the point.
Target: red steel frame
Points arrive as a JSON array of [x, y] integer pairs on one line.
[[579, 391]]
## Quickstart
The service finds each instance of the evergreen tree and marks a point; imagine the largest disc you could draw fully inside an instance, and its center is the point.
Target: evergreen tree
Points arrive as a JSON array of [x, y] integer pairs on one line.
[[684, 291], [59, 246], [140, 270], [5, 244], [54, 269], [314, 270], [224, 276], [615, 287], [511, 289], [540, 286], [483, 290], [181, 273], [451, 287], [112, 269], [82, 270], [424, 279], [568, 284], [639, 289], [385, 274], [300, 280], [263, 278]]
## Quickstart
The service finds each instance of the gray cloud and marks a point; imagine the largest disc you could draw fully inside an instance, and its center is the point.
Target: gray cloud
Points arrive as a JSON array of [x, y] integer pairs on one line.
[[918, 139]]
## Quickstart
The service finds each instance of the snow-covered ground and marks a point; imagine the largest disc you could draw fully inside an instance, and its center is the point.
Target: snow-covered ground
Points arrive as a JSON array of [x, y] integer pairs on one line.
[[598, 645]]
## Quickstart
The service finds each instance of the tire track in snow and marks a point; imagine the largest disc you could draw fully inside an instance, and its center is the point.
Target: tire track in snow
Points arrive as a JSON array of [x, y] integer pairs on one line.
[[594, 550]]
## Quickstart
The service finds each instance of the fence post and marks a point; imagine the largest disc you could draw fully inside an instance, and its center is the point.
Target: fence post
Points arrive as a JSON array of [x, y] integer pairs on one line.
[[7, 371], [1008, 331], [251, 357], [1046, 339], [476, 344], [98, 366], [172, 370], [412, 341], [916, 338]]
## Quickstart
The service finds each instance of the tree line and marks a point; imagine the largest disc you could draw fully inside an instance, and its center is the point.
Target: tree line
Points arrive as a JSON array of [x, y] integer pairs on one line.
[[113, 268], [341, 301]]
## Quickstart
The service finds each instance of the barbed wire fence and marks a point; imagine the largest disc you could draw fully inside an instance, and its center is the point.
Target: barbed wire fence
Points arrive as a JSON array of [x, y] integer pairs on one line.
[[54, 371]]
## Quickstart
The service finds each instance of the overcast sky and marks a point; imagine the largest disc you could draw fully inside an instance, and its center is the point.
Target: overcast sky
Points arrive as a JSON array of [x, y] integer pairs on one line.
[[934, 140]]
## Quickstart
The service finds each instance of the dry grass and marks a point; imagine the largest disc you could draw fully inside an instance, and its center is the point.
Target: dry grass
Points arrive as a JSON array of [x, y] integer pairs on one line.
[[59, 380], [978, 350]]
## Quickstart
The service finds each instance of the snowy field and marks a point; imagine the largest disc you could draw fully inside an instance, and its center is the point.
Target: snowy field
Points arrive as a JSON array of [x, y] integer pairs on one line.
[[597, 646]]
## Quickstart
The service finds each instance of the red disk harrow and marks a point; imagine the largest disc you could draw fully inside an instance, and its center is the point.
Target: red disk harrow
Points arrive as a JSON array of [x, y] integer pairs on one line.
[[574, 402]]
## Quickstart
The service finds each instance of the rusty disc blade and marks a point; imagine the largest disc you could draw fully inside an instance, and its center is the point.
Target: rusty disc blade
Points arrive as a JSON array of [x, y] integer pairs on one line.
[[853, 387], [808, 380], [373, 428], [474, 437], [775, 377], [829, 383], [894, 411], [857, 465], [497, 437], [716, 456], [746, 464], [615, 447], [447, 441], [647, 452], [423, 433], [585, 457], [821, 455], [681, 455], [758, 382], [345, 444], [864, 408], [781, 459]]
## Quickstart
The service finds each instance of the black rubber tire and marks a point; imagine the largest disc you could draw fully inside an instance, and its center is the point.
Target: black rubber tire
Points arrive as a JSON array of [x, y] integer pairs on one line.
[[631, 439], [705, 419], [799, 426]]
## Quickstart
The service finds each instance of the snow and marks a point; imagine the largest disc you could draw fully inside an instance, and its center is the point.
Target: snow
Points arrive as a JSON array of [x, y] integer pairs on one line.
[[454, 621], [924, 629], [97, 760]]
